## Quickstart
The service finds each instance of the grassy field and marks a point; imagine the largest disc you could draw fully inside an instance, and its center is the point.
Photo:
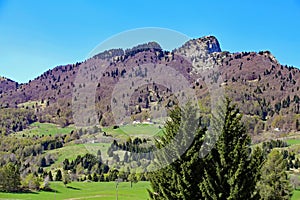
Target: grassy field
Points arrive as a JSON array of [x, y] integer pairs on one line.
[[79, 190], [293, 141], [39, 129], [296, 195], [72, 151], [137, 130], [93, 191]]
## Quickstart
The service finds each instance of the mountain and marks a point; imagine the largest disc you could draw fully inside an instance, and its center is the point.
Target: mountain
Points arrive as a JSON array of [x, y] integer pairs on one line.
[[266, 92], [7, 85]]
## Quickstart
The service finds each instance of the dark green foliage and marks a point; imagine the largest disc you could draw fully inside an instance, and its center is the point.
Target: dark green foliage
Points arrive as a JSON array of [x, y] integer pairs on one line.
[[10, 178], [297, 163], [58, 176], [113, 175], [13, 119], [20, 148], [89, 177], [101, 178], [88, 161], [133, 146], [43, 162], [95, 177], [274, 182], [179, 180], [50, 176], [231, 171], [269, 145]]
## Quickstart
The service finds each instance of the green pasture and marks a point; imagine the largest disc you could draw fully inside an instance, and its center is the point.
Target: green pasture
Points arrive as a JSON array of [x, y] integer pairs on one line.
[[45, 129], [72, 151], [134, 130], [87, 190]]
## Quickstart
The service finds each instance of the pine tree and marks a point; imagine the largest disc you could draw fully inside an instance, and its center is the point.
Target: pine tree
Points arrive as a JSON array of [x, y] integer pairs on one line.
[[231, 171], [297, 163], [89, 177], [99, 156], [126, 157], [66, 164], [50, 176], [43, 162], [274, 182], [101, 179], [95, 177], [180, 178], [58, 176]]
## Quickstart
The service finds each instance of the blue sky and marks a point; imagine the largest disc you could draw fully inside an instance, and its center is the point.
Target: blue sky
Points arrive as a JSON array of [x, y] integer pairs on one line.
[[38, 35]]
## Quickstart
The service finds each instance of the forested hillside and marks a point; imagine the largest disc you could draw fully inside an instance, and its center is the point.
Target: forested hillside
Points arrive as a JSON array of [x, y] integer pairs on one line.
[[266, 91]]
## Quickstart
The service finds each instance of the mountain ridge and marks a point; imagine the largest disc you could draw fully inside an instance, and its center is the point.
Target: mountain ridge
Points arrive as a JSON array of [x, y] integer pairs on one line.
[[266, 91]]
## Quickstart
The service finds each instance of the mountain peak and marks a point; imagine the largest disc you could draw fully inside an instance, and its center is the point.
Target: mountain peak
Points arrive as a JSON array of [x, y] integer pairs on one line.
[[7, 84], [212, 43], [206, 44]]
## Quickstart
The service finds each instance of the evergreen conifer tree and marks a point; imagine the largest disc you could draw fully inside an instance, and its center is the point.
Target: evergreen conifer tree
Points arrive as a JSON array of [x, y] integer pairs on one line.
[[275, 182], [231, 171], [180, 178]]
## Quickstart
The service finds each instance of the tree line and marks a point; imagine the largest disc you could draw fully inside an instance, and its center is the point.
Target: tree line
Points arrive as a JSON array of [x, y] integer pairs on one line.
[[233, 169]]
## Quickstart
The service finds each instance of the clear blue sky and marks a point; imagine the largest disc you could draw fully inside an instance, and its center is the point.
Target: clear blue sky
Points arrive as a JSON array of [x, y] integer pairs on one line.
[[38, 35]]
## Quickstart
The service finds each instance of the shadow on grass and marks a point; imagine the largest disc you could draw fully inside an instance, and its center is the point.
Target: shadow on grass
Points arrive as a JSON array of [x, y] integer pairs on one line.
[[50, 190], [33, 192], [73, 188], [22, 192]]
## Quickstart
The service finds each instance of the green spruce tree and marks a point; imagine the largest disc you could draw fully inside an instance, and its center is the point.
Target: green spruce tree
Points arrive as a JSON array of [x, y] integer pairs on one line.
[[274, 183], [58, 176], [50, 176], [183, 136], [231, 171]]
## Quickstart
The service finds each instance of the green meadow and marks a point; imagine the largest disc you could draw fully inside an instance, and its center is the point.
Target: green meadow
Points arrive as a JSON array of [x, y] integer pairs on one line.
[[293, 141], [93, 191], [135, 130], [296, 195], [73, 150], [39, 129], [87, 190]]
